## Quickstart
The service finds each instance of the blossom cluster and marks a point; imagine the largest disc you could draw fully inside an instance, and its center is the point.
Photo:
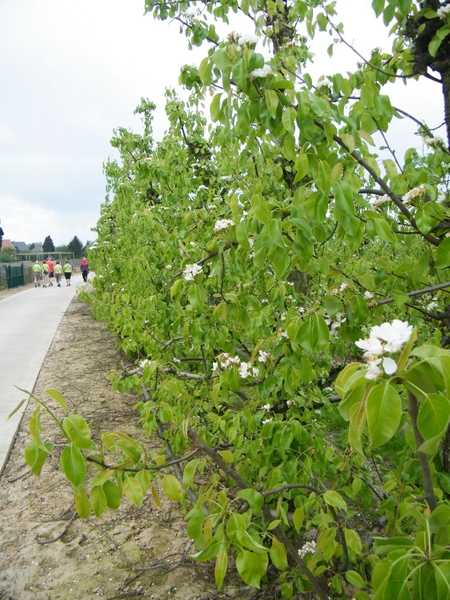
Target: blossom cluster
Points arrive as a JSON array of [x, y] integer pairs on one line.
[[443, 11], [243, 39], [385, 338], [324, 82], [190, 271], [434, 141], [421, 190], [223, 224], [308, 548], [263, 357], [378, 201], [226, 361], [262, 72]]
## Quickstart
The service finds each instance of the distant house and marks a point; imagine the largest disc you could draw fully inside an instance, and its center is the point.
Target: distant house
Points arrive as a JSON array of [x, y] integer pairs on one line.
[[20, 246], [37, 249], [8, 244]]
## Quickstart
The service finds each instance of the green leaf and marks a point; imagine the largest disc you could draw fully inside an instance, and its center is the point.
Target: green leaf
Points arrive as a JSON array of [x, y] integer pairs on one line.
[[239, 71], [55, 395], [335, 499], [177, 287], [254, 499], [301, 167], [205, 71], [355, 579], [128, 446], [324, 181], [189, 472], [113, 495], [133, 490], [252, 567], [172, 488], [82, 505], [77, 431], [343, 193], [433, 416], [288, 118], [35, 455], [298, 518], [259, 208], [272, 102], [278, 555], [215, 108], [97, 498], [443, 254], [275, 233], [220, 569], [73, 465], [384, 411]]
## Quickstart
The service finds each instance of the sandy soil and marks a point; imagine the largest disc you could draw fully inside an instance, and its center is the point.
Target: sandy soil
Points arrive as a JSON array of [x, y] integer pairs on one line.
[[46, 551]]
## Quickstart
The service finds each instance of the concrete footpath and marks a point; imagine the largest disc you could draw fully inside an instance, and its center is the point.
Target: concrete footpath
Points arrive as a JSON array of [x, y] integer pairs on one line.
[[28, 323]]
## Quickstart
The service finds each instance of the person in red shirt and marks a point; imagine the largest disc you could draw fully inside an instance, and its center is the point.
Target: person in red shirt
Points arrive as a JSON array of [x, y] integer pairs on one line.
[[84, 266], [51, 269]]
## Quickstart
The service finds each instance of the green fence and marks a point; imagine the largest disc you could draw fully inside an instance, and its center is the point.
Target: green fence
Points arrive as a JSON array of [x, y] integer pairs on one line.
[[14, 275]]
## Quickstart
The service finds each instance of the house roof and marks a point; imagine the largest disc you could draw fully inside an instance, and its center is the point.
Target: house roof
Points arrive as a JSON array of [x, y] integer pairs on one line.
[[7, 244], [21, 246]]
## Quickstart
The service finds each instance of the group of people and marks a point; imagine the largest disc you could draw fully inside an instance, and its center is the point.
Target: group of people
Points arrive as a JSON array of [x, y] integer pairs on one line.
[[49, 271]]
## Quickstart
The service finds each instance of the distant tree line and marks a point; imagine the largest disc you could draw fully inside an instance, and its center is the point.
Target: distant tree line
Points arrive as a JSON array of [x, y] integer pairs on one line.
[[75, 245]]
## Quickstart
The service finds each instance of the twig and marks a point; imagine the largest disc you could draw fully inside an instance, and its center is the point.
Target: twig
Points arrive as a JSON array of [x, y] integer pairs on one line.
[[60, 535]]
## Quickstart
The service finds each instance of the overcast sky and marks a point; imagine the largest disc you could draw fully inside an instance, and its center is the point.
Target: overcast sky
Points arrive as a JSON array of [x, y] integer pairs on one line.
[[71, 72]]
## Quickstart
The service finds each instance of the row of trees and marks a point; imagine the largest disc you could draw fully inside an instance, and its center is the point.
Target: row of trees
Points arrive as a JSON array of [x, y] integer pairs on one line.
[[75, 245], [282, 290]]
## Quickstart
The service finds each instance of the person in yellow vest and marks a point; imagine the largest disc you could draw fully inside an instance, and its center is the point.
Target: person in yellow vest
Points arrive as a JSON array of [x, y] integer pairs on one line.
[[37, 270], [67, 271], [45, 270], [58, 273]]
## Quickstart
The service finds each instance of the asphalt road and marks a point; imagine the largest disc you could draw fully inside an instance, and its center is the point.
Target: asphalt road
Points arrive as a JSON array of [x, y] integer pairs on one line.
[[28, 323]]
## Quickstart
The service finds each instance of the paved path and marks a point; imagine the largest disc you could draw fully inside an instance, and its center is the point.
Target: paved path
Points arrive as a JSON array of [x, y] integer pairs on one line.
[[28, 323]]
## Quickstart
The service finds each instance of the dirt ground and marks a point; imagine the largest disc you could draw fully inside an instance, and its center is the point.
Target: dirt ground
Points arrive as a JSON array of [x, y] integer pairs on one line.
[[46, 551]]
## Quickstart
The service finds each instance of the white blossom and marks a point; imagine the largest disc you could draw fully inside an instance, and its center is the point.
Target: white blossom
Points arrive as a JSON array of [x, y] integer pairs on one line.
[[266, 407], [262, 72], [368, 295], [435, 141], [432, 305], [421, 190], [443, 11], [309, 547], [190, 271], [324, 82], [222, 224], [144, 363], [372, 347], [227, 361], [395, 334], [244, 370], [378, 201], [263, 357], [389, 365], [264, 421], [169, 267], [255, 371], [343, 287], [214, 367], [373, 371], [246, 38]]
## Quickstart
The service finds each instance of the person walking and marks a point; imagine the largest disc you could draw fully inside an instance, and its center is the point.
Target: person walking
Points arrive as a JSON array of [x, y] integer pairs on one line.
[[67, 271], [44, 273], [58, 273], [84, 266], [51, 270], [37, 271]]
